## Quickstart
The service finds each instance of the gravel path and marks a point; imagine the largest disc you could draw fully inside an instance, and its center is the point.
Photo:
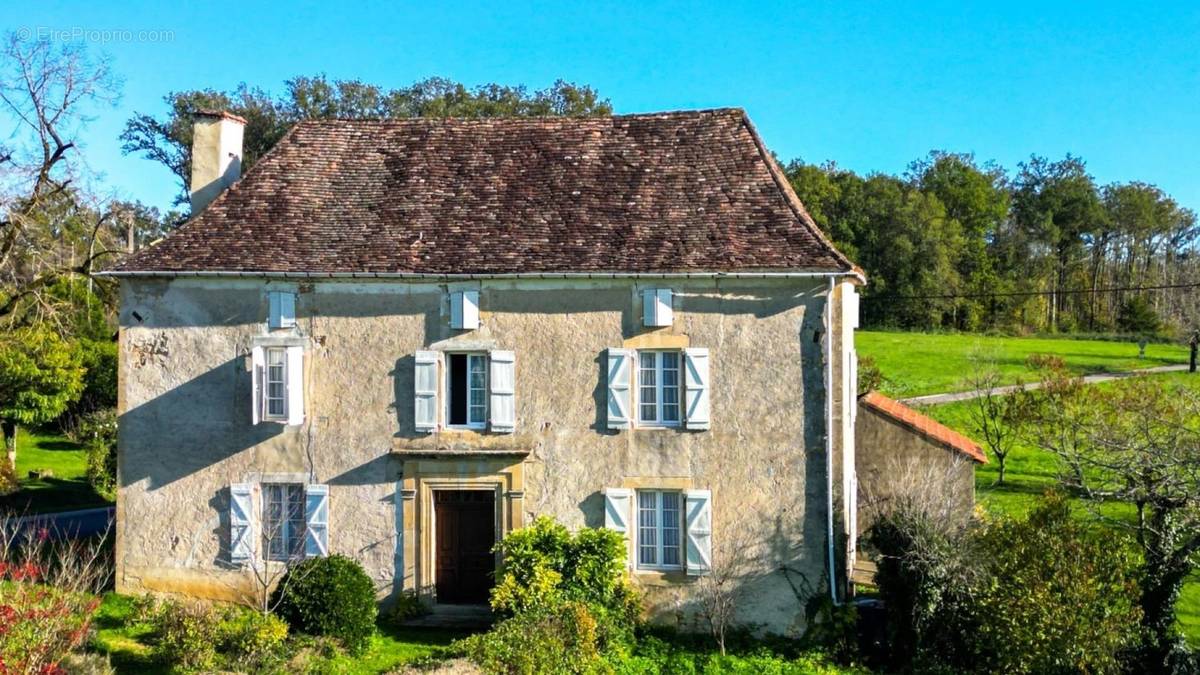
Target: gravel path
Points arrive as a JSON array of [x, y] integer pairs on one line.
[[935, 399]]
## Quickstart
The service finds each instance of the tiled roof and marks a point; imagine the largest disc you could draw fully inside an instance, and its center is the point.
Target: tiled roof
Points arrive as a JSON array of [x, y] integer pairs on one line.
[[926, 426], [670, 192]]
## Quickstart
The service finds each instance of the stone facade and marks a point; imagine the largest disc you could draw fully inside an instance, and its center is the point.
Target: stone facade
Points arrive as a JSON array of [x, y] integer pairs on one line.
[[186, 432]]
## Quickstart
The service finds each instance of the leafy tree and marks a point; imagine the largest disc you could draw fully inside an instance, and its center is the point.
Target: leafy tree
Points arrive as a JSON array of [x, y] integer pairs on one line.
[[1136, 441], [40, 374], [1137, 317], [168, 140]]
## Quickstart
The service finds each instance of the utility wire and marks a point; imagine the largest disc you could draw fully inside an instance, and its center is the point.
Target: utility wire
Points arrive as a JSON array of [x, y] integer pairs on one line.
[[1019, 294]]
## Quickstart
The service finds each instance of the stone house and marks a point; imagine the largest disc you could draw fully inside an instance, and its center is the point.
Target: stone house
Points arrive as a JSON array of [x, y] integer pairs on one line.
[[400, 340]]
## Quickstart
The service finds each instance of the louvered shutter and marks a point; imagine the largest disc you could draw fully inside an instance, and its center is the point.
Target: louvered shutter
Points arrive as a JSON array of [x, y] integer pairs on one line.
[[656, 307], [620, 364], [696, 388], [316, 520], [281, 309], [617, 507], [241, 523], [503, 390], [295, 385], [425, 391], [699, 531], [257, 383], [464, 310]]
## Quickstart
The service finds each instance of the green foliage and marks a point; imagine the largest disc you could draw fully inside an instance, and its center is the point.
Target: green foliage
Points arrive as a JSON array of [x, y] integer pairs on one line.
[[330, 596], [408, 605], [250, 640], [1035, 595], [559, 639], [544, 564], [186, 636], [870, 376], [1057, 598], [681, 655], [1137, 316], [98, 432], [40, 374]]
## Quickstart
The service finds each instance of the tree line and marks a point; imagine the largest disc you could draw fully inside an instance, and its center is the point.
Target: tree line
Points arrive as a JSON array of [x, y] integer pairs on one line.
[[954, 243]]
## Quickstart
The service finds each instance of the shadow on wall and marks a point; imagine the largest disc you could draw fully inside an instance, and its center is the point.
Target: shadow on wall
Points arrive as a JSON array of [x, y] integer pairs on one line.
[[209, 417]]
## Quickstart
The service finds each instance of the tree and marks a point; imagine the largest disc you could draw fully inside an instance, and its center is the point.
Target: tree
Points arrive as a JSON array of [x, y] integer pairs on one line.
[[1137, 317], [48, 227], [1137, 441], [168, 140], [40, 374], [993, 414]]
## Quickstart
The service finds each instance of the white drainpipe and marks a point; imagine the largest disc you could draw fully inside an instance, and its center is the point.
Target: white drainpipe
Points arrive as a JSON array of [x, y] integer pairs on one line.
[[829, 440]]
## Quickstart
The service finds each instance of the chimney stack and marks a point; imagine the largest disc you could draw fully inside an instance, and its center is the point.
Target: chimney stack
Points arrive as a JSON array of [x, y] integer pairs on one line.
[[216, 155]]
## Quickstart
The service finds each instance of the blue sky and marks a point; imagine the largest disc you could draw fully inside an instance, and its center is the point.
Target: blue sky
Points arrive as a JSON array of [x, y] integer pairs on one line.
[[871, 86]]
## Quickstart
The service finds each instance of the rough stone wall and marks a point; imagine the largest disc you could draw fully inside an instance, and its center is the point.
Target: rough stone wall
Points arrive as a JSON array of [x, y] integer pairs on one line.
[[186, 432], [892, 458]]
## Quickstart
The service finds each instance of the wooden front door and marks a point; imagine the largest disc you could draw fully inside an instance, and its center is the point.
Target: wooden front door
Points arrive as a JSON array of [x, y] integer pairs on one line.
[[466, 532]]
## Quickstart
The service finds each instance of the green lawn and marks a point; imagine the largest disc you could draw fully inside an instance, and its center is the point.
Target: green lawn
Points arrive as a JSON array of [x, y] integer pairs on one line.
[[916, 364], [68, 489], [127, 644], [1030, 471]]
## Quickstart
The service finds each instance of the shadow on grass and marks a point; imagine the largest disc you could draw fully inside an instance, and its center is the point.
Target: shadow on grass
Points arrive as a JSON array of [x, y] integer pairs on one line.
[[59, 446], [47, 495]]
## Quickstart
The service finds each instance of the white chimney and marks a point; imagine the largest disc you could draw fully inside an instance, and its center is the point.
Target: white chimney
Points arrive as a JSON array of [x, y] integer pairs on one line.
[[216, 155]]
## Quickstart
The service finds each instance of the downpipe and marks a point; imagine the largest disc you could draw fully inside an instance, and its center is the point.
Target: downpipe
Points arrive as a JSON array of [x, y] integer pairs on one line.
[[833, 596]]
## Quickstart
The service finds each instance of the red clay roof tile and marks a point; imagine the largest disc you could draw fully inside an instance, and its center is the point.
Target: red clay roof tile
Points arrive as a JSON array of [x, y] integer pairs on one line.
[[924, 425]]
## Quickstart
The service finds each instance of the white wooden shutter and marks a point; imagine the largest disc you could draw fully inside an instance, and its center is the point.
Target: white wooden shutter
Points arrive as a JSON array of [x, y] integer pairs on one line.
[[618, 504], [503, 390], [257, 384], [316, 520], [656, 307], [620, 364], [241, 523], [282, 309], [699, 531], [850, 298], [464, 310], [295, 385], [425, 394], [696, 388], [853, 385]]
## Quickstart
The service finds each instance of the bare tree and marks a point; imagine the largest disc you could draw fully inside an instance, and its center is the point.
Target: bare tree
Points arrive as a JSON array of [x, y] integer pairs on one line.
[[719, 590], [45, 89], [992, 412]]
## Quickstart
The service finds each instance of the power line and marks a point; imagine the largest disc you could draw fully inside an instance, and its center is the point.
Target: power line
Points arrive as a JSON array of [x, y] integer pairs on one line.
[[1025, 294]]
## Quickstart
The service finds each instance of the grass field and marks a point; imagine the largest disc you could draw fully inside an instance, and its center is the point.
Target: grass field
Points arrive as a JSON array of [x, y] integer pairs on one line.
[[1030, 472], [68, 488], [916, 364]]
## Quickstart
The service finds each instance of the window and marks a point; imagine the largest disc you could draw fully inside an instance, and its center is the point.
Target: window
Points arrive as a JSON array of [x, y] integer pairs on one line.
[[659, 522], [467, 386], [276, 383], [658, 388], [283, 520]]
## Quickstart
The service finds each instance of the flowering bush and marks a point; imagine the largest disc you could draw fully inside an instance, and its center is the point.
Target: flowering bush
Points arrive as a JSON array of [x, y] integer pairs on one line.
[[47, 598], [39, 624]]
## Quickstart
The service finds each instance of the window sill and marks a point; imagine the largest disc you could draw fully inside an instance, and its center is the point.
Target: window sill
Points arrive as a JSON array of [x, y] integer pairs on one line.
[[665, 577]]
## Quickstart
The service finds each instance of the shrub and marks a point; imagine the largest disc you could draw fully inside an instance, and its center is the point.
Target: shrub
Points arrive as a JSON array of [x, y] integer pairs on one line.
[[98, 431], [562, 639], [1137, 316], [185, 636], [1056, 598], [250, 640], [330, 596], [544, 565], [408, 605]]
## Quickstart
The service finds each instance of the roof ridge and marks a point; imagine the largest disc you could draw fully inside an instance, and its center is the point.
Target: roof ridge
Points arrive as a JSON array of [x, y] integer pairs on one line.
[[663, 114]]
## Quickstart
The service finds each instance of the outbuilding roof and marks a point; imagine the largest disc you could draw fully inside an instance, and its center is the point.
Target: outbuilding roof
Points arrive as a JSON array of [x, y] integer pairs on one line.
[[654, 193], [928, 427]]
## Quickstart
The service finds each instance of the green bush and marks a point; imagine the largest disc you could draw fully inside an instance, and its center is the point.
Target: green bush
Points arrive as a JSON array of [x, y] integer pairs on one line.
[[544, 565], [98, 432], [185, 636], [330, 596], [1035, 595], [250, 640], [561, 639], [654, 655], [1056, 599], [408, 605]]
